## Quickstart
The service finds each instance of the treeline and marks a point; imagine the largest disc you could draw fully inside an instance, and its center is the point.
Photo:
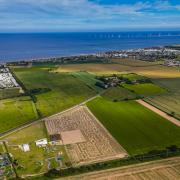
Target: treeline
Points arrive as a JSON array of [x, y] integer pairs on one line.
[[61, 60]]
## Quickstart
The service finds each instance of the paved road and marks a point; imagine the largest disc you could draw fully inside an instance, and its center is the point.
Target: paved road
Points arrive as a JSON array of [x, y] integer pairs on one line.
[[41, 120]]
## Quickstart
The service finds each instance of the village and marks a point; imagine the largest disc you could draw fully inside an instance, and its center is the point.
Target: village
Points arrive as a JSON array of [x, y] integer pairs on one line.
[[145, 54]]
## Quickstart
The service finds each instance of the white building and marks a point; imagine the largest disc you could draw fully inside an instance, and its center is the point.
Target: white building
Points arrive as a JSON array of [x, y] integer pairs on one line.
[[41, 142], [25, 147]]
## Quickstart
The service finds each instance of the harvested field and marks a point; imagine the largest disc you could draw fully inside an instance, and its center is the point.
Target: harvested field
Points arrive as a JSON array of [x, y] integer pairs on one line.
[[99, 144], [155, 170], [133, 63], [157, 71]]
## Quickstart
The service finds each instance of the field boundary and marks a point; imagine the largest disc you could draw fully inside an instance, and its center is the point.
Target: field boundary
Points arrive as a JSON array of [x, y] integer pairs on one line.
[[159, 112]]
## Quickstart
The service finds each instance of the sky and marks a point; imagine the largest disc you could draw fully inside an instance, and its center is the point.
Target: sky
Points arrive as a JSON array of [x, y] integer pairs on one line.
[[88, 15]]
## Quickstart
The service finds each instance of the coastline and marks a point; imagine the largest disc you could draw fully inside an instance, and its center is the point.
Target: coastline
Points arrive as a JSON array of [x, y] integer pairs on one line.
[[38, 46]]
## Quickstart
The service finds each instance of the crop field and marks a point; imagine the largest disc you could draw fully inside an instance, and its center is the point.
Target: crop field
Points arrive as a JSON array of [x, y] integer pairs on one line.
[[157, 170], [53, 92], [136, 128], [97, 145], [145, 89], [15, 112], [118, 94], [10, 92], [169, 103], [157, 71], [88, 78], [38, 159], [171, 84]]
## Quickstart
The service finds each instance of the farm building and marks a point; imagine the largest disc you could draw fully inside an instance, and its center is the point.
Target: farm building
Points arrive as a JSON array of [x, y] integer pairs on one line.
[[41, 142]]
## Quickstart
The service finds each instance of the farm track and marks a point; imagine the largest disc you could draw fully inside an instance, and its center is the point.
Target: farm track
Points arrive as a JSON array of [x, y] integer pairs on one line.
[[159, 112], [155, 170], [41, 120]]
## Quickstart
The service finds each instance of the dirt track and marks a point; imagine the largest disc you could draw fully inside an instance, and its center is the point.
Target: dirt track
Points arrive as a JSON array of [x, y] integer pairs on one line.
[[161, 113]]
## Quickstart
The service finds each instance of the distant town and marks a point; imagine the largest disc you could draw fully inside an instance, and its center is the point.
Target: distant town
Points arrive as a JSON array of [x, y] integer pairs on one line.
[[169, 55]]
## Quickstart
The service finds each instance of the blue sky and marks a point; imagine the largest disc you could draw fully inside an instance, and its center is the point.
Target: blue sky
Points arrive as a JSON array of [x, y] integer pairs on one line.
[[88, 15]]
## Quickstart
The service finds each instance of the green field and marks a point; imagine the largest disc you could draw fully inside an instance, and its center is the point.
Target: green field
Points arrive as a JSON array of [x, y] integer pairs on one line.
[[36, 160], [58, 91], [135, 127], [88, 78], [118, 94], [145, 89], [16, 111]]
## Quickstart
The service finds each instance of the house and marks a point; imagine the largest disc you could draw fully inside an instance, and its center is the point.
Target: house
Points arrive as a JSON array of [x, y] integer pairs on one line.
[[25, 147], [41, 142]]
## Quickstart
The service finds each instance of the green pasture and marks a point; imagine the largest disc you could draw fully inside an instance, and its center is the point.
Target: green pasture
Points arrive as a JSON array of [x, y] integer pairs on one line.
[[135, 127], [58, 90], [145, 89], [16, 111]]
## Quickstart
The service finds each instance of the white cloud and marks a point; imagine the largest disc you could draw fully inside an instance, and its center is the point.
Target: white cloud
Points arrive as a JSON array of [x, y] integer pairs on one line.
[[76, 13]]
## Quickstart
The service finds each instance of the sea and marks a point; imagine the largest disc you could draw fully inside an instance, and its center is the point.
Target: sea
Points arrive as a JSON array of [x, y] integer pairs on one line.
[[27, 46]]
